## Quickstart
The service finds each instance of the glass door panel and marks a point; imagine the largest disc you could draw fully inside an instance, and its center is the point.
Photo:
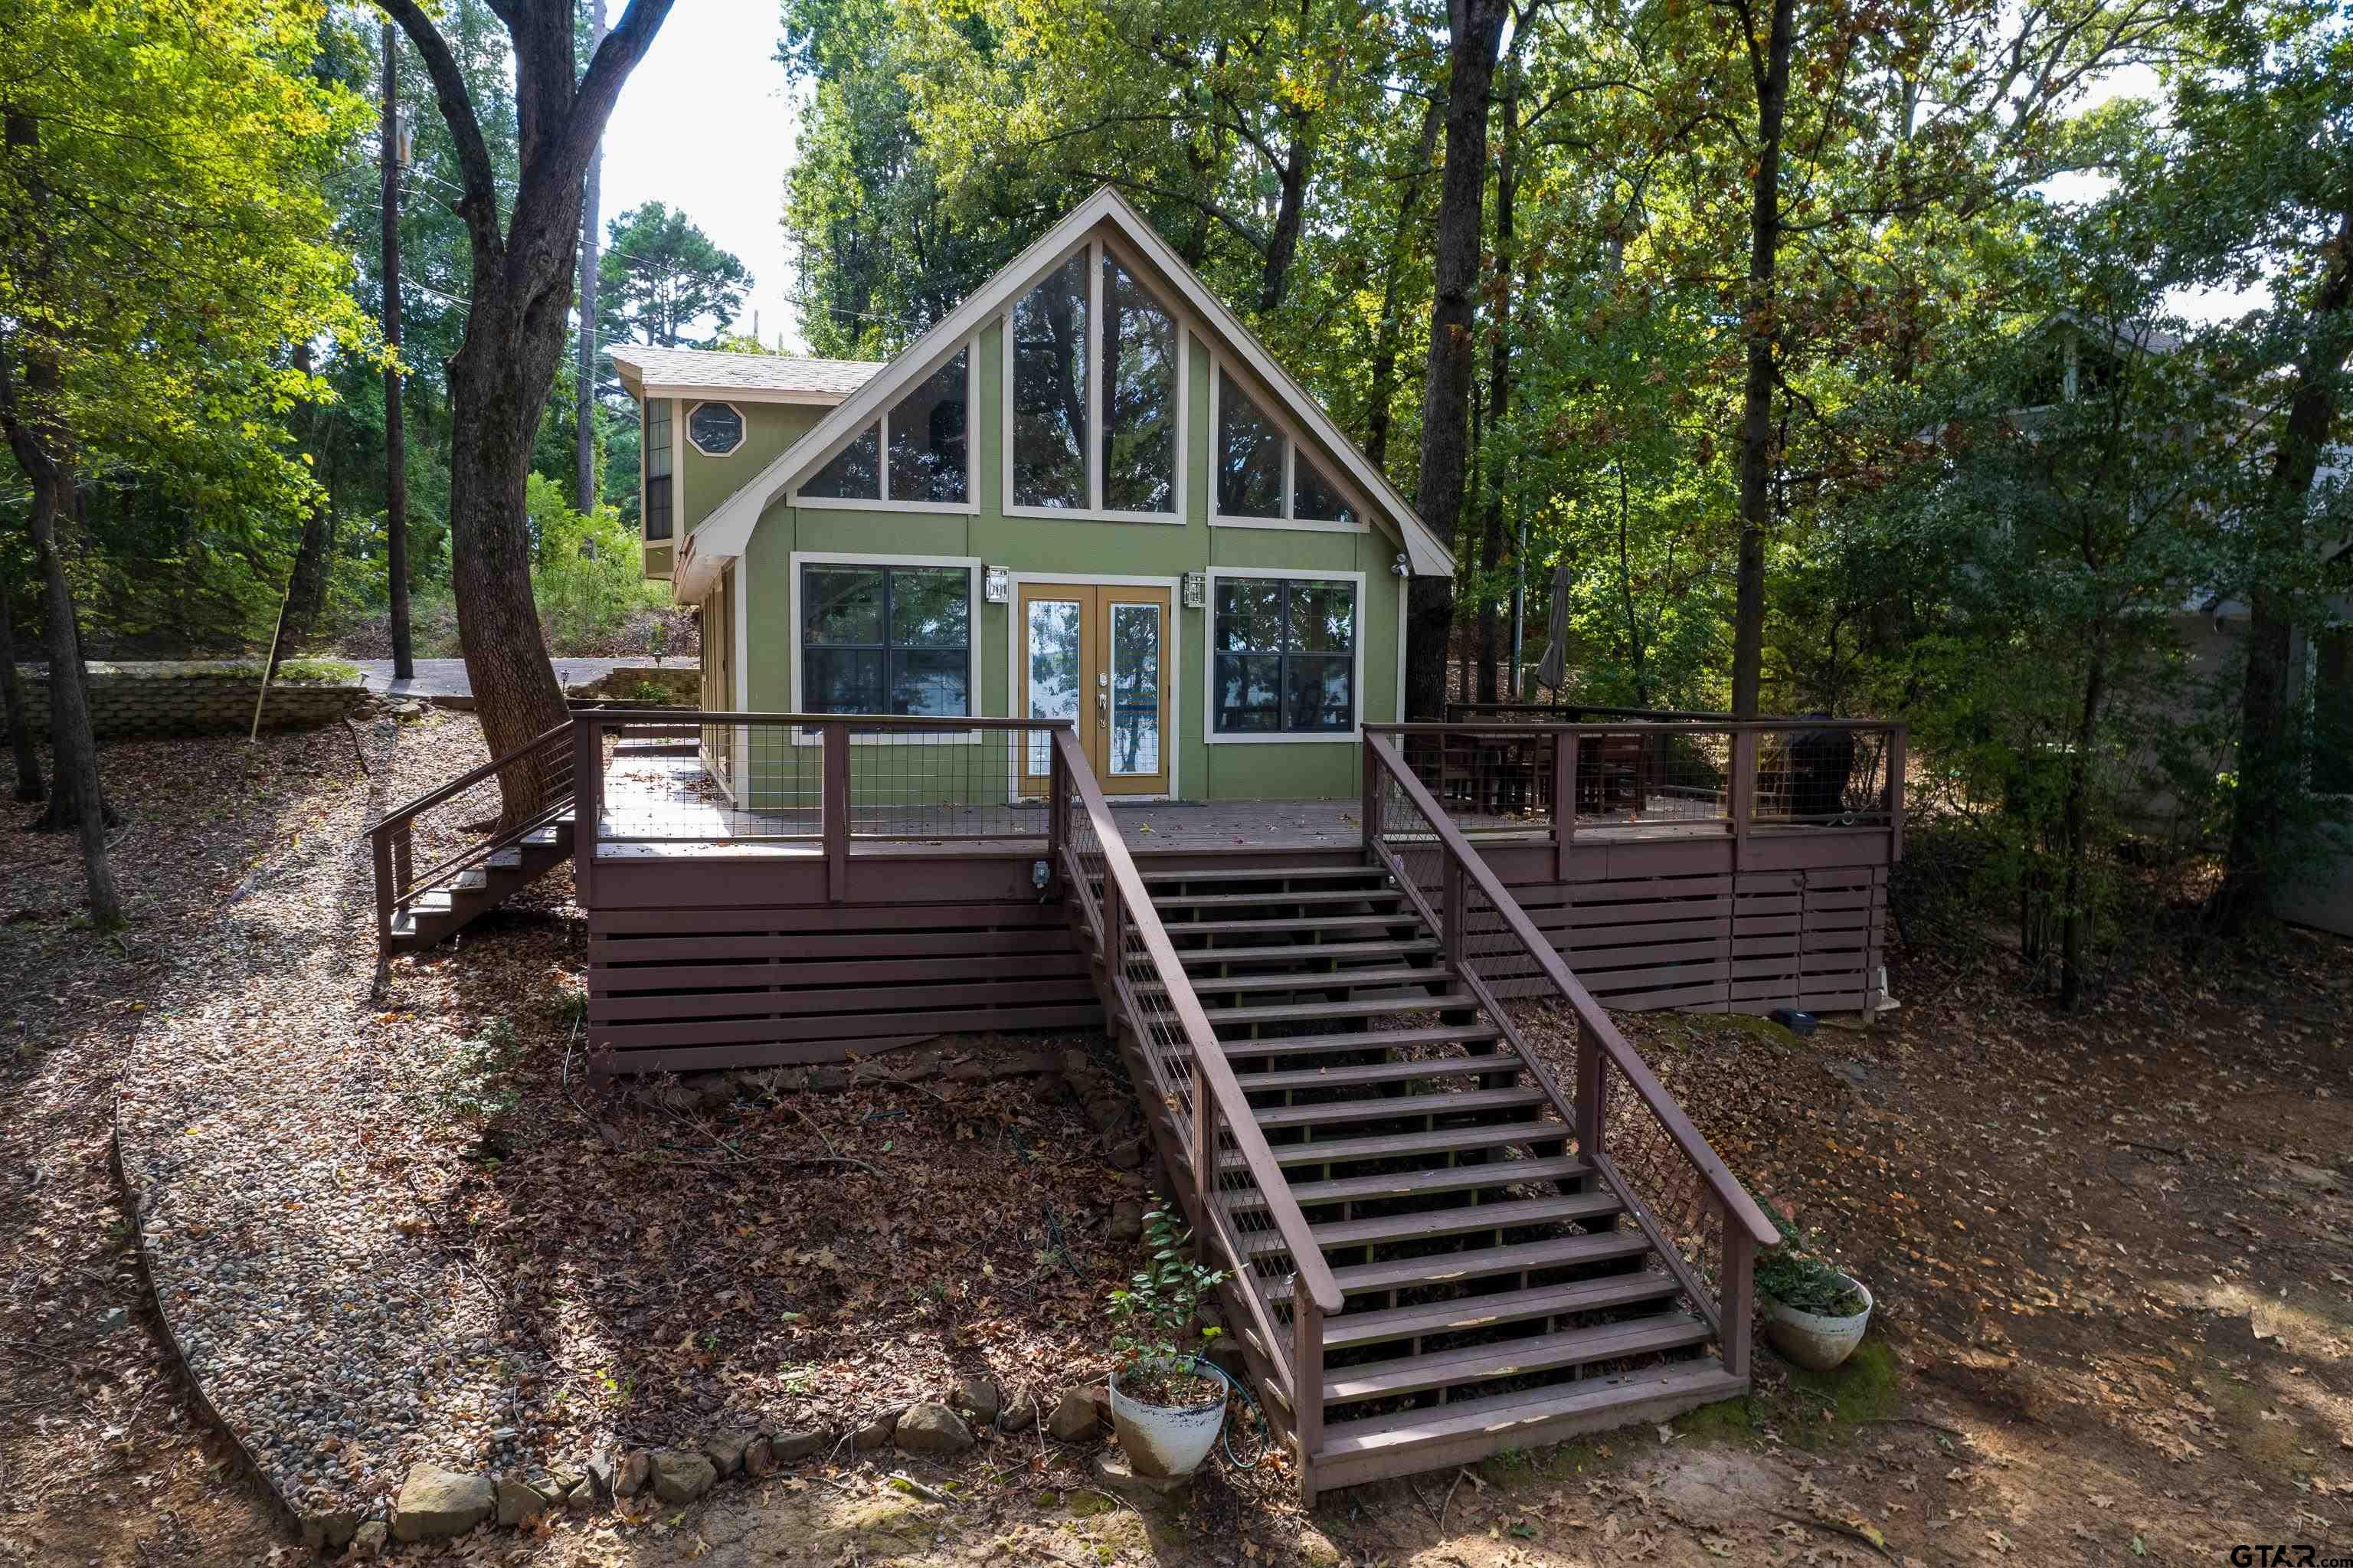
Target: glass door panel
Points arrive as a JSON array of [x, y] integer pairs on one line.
[[1136, 751], [1097, 655], [1055, 679]]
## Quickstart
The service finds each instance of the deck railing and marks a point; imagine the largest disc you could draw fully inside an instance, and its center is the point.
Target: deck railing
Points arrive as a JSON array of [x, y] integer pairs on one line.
[[1703, 1223], [442, 835], [664, 781], [1520, 770], [1234, 1192]]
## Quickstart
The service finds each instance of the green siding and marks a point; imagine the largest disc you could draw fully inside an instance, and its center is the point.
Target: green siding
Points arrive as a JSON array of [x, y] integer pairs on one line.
[[1078, 547], [702, 483]]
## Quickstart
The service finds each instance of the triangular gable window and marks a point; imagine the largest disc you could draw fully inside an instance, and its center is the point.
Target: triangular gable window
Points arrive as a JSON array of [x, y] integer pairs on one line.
[[1262, 476], [1096, 365], [925, 435]]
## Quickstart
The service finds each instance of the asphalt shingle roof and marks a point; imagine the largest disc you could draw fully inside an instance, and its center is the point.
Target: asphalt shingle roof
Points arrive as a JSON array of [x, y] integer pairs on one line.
[[702, 369]]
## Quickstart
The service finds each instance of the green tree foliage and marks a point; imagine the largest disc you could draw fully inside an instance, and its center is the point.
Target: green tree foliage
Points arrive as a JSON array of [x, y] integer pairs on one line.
[[660, 278]]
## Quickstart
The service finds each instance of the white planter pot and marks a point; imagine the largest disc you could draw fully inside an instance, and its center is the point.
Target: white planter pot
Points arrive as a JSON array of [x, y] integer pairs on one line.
[[1813, 1340], [1164, 1440]]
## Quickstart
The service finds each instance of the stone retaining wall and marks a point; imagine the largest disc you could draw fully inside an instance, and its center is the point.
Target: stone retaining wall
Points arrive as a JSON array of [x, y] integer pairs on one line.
[[188, 697]]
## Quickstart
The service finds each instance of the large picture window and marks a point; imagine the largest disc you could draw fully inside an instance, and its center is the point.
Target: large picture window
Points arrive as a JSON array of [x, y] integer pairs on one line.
[[1096, 365], [1285, 656], [657, 458], [917, 454], [886, 639], [1261, 473]]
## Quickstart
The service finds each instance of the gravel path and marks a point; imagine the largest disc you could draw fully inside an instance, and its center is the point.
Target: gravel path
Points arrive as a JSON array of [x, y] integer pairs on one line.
[[264, 1110], [447, 677]]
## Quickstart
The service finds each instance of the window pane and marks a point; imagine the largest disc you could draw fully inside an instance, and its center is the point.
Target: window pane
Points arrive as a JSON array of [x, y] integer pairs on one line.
[[1249, 693], [930, 607], [1136, 688], [1250, 616], [1139, 441], [926, 682], [1049, 391], [1250, 456], [927, 438], [657, 438], [715, 427], [1318, 694], [657, 508], [856, 474], [842, 680], [842, 604], [1054, 671], [1323, 617], [1313, 499]]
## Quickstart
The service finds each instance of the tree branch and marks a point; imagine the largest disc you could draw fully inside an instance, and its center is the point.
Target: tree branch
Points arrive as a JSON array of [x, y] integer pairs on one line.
[[479, 205]]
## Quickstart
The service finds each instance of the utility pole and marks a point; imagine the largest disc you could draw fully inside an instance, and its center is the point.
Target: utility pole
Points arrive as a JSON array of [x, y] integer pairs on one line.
[[396, 452], [584, 404]]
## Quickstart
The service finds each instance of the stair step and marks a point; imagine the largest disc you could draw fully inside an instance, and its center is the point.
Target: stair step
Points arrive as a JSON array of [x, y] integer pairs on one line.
[[1375, 1072], [1382, 1107], [1516, 1357], [1511, 1213], [1304, 952], [1471, 1312], [1363, 1040], [1425, 1183], [1223, 1018], [544, 836], [1486, 1262], [1308, 923], [1269, 874], [1166, 901], [1309, 979], [1445, 1140], [432, 901], [473, 879], [505, 860], [1489, 1421]]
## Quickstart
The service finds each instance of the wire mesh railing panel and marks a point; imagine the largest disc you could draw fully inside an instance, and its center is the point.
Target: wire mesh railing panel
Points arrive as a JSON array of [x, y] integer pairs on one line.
[[1658, 1177], [1829, 776], [692, 781], [952, 782], [1653, 773]]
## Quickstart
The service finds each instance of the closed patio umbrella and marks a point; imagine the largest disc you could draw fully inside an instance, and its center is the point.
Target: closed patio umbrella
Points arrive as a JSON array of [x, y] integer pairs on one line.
[[1553, 666]]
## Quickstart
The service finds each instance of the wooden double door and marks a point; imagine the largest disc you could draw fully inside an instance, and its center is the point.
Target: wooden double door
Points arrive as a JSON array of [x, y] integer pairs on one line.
[[1098, 655]]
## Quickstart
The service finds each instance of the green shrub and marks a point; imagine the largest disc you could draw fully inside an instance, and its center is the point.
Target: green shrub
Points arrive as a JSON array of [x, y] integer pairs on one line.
[[585, 574], [1797, 1277]]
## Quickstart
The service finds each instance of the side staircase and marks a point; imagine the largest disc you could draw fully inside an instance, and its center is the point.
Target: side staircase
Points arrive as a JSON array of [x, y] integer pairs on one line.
[[437, 871], [1437, 1253]]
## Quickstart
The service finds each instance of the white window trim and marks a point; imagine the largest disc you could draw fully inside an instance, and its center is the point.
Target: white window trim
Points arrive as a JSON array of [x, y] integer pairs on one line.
[[743, 428], [799, 558], [970, 507], [1095, 247], [1273, 407], [1016, 642], [1352, 735]]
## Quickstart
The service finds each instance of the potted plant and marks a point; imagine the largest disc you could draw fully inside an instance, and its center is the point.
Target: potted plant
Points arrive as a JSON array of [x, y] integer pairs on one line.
[[1168, 1404], [1814, 1315]]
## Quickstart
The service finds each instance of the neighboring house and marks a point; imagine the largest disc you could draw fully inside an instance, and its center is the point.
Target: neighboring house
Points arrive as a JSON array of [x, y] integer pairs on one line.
[[1089, 492]]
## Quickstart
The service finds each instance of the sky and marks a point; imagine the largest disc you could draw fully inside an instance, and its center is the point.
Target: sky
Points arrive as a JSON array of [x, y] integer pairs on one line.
[[706, 125]]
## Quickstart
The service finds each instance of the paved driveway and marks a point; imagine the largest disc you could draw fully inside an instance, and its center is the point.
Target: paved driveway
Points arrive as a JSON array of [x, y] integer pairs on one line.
[[447, 677]]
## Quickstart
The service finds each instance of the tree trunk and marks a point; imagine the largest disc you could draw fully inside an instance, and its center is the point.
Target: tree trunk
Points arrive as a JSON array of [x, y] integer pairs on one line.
[[30, 785], [585, 405], [2075, 835], [1291, 213], [79, 803], [1378, 414], [1499, 384], [1475, 29], [2270, 759], [1770, 76], [396, 444], [306, 585]]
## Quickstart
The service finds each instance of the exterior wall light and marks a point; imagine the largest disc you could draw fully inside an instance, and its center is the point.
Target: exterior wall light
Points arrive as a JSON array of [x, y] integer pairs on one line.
[[996, 584], [1401, 566], [1197, 589]]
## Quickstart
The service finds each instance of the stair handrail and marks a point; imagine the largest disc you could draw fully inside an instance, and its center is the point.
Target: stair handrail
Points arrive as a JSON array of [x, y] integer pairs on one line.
[[1313, 1286], [1746, 1226], [390, 830]]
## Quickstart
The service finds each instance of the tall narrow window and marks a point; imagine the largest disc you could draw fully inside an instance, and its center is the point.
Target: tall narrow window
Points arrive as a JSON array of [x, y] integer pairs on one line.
[[886, 639], [656, 452], [856, 472], [1139, 438], [1049, 391], [2332, 711], [1285, 654], [1250, 455], [927, 438]]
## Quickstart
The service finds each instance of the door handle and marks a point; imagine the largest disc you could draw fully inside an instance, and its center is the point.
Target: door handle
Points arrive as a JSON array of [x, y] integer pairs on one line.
[[1103, 708]]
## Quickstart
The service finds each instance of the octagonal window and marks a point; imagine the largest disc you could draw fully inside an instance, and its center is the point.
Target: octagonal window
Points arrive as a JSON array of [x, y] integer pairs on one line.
[[715, 428]]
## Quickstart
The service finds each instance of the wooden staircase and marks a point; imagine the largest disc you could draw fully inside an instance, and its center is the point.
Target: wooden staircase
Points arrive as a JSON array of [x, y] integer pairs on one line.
[[441, 907], [1497, 1292]]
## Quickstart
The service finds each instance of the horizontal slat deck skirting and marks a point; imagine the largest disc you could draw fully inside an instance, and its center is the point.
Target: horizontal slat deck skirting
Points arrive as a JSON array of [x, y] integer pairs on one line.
[[684, 989], [1745, 939]]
